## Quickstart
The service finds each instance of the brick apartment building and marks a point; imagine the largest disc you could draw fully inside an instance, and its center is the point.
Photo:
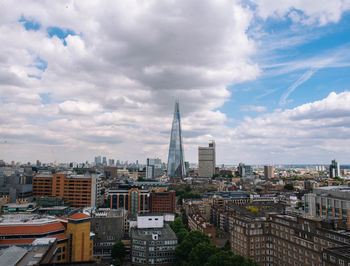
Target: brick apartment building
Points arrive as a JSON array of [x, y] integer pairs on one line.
[[276, 239], [78, 190], [163, 202]]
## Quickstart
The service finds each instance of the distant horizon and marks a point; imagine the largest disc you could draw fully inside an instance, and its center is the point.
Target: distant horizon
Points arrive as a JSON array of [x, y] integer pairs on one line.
[[218, 164]]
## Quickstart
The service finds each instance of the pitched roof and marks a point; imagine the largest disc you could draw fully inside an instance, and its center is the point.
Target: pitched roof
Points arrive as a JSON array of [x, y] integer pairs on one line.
[[29, 229], [60, 237], [28, 241], [11, 242], [79, 216]]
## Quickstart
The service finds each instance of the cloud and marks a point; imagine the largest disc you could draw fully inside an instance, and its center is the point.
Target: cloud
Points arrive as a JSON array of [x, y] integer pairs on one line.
[[113, 72], [304, 11], [254, 108], [78, 108], [309, 133], [305, 77]]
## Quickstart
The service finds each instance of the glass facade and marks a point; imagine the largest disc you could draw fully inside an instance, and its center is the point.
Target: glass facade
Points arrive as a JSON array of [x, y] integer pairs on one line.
[[176, 166]]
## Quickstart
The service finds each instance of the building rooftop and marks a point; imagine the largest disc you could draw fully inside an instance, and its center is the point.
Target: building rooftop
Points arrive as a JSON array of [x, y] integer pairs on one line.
[[343, 251], [12, 255], [37, 251], [79, 216], [164, 233], [30, 229]]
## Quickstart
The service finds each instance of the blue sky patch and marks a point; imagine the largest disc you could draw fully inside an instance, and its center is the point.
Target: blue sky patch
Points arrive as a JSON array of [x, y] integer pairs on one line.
[[34, 76], [30, 24], [40, 64], [299, 64], [45, 97], [60, 33]]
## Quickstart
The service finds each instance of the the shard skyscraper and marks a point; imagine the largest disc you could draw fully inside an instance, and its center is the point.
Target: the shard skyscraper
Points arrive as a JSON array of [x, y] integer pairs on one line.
[[176, 166]]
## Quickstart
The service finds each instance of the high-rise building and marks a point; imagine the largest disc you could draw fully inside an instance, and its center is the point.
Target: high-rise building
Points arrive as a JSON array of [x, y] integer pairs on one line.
[[206, 160], [268, 171], [334, 169], [111, 162], [104, 161], [154, 168], [244, 170], [98, 160], [176, 166]]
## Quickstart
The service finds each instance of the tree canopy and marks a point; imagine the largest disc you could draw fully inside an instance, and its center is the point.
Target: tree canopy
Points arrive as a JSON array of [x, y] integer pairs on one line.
[[288, 187], [118, 251], [194, 248]]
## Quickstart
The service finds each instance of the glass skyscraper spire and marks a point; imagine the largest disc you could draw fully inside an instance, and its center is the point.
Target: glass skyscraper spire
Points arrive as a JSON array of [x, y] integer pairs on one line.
[[176, 166]]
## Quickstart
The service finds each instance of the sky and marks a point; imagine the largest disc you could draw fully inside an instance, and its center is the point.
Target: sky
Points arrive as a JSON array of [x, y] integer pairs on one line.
[[268, 80]]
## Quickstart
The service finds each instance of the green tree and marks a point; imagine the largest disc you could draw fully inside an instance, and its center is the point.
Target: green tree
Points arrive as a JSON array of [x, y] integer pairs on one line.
[[227, 258], [116, 262], [140, 179], [118, 251], [288, 187], [188, 188], [177, 225], [201, 253], [190, 241], [227, 246], [181, 235]]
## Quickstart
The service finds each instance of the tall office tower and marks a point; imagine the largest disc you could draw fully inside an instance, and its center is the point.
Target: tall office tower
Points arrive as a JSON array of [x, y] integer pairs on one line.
[[334, 169], [269, 171], [206, 160], [104, 161], [154, 168], [98, 160], [176, 166], [241, 170], [111, 162]]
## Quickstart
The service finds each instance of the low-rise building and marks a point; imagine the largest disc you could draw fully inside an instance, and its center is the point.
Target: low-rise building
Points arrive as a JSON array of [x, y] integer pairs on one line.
[[108, 227], [78, 190], [132, 199], [152, 241], [163, 202], [329, 202], [74, 240]]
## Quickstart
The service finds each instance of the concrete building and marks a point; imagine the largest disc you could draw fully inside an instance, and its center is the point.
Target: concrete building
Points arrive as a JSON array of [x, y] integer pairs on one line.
[[16, 184], [269, 171], [78, 190], [206, 160], [244, 170], [152, 241], [329, 202], [108, 227], [163, 202], [153, 168]]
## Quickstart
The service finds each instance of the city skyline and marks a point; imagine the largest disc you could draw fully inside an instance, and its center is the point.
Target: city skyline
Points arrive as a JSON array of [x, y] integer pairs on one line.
[[268, 81]]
